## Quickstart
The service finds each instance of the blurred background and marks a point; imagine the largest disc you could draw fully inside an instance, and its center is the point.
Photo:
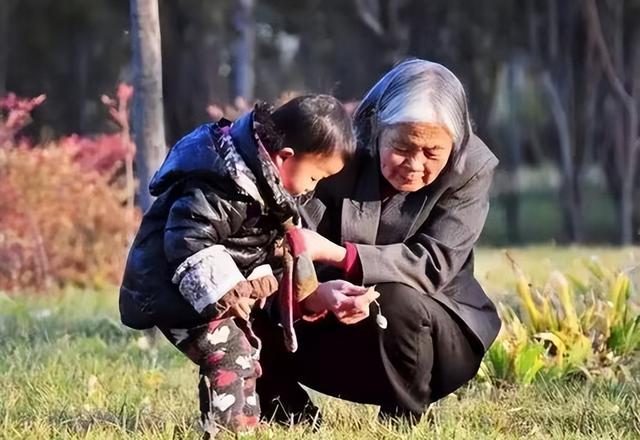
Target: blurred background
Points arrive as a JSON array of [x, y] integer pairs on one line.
[[92, 92], [554, 88]]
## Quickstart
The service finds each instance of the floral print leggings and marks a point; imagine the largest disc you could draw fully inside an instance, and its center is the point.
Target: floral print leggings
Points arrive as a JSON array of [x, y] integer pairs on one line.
[[227, 351]]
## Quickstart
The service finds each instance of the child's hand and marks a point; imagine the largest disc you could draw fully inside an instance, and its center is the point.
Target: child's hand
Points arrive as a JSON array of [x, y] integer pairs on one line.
[[241, 308], [240, 300], [263, 287]]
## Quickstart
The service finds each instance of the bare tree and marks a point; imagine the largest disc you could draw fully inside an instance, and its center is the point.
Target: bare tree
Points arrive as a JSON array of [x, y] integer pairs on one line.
[[243, 51], [5, 11], [627, 144], [559, 85], [505, 122], [383, 20], [148, 114], [569, 187]]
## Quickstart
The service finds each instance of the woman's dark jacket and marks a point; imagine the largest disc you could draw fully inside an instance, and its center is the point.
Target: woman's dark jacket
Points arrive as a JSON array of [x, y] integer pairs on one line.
[[422, 239], [202, 200]]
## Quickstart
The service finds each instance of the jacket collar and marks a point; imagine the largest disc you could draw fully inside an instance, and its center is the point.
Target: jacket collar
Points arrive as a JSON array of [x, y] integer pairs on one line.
[[361, 213], [254, 154]]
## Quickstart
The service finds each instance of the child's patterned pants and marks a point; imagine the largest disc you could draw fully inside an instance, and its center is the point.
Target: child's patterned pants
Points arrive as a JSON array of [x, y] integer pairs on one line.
[[227, 352]]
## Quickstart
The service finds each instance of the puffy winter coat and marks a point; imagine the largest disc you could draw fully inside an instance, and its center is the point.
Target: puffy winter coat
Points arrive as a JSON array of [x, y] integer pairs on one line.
[[217, 189]]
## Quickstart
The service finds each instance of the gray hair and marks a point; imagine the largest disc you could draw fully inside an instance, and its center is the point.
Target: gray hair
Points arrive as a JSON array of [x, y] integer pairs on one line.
[[416, 91]]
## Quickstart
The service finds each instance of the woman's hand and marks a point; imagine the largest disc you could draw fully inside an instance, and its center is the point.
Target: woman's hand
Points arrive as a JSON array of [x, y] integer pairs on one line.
[[323, 250], [348, 302]]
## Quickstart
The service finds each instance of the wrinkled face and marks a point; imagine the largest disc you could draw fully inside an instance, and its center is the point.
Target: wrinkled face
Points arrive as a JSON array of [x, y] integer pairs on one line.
[[301, 173], [412, 155]]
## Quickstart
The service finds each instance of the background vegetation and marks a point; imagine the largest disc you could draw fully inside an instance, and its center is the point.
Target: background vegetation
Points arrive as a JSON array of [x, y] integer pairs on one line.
[[68, 369], [553, 85], [554, 88]]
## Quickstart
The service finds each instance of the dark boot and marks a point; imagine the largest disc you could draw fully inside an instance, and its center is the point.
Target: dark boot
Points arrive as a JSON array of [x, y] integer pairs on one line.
[[290, 406], [398, 416]]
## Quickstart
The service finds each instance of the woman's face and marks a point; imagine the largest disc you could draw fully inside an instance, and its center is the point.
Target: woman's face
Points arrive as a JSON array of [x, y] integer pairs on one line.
[[412, 155]]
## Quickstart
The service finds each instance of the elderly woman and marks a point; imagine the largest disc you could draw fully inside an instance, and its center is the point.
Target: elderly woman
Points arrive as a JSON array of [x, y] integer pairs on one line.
[[404, 217]]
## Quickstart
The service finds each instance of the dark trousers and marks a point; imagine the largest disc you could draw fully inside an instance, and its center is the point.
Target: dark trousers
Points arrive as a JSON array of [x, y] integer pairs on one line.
[[423, 355]]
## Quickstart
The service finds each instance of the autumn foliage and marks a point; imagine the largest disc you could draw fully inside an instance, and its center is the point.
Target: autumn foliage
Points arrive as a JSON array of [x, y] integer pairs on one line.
[[66, 213]]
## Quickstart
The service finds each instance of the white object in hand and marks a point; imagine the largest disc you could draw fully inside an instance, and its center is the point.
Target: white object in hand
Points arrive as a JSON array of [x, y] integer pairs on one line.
[[380, 319]]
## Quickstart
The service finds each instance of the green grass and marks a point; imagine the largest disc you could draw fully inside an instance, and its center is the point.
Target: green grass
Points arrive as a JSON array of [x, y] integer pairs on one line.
[[537, 261], [68, 369]]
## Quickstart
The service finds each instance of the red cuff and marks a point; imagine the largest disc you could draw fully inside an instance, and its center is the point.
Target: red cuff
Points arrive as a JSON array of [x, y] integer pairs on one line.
[[352, 266], [295, 241]]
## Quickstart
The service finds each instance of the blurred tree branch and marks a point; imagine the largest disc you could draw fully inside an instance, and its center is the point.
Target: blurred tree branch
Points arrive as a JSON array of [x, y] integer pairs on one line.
[[369, 14], [627, 149]]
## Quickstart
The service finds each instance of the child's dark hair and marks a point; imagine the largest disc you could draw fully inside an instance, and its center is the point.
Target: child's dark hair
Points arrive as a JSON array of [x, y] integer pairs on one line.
[[310, 124]]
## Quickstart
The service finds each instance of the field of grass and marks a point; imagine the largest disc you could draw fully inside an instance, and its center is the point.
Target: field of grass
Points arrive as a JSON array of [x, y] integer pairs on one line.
[[68, 369], [537, 261]]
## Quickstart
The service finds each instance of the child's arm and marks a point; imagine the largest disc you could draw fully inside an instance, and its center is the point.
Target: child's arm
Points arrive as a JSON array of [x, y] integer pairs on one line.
[[199, 220], [207, 276]]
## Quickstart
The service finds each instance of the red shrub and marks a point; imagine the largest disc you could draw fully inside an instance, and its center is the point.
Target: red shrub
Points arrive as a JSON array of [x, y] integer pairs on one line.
[[58, 222], [15, 113], [64, 216], [105, 153]]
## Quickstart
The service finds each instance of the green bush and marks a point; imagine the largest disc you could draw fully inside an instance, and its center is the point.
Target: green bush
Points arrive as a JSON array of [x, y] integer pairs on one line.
[[566, 328]]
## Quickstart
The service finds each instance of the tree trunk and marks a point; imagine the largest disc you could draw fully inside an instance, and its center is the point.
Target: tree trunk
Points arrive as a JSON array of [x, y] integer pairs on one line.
[[570, 201], [559, 86], [635, 93], [627, 148], [243, 51], [512, 197], [148, 113], [590, 111], [629, 176], [383, 20], [506, 130], [626, 212], [5, 10], [80, 75]]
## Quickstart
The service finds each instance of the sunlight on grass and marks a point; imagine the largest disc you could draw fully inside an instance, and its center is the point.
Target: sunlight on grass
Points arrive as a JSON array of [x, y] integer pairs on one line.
[[69, 369]]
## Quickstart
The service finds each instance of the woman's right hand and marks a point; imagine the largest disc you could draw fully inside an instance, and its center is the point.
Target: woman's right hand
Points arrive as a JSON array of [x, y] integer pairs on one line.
[[348, 302]]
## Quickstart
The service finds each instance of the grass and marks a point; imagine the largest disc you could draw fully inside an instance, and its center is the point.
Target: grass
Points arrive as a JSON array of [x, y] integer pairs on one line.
[[68, 369], [537, 261]]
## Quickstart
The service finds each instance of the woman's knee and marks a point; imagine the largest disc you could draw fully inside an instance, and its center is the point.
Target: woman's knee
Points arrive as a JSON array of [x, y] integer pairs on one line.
[[421, 334], [402, 304]]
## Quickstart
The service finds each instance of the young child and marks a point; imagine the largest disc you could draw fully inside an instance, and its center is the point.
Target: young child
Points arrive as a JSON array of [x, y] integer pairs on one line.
[[200, 259]]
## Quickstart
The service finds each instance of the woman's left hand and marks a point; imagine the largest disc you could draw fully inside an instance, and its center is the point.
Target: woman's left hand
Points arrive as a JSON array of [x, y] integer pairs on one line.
[[348, 302], [323, 250]]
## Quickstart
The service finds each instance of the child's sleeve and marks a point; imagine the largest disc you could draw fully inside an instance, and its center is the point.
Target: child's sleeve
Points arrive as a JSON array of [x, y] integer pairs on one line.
[[197, 223]]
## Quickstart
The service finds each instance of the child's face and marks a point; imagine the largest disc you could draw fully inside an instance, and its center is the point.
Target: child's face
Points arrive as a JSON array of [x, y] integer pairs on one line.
[[301, 173]]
